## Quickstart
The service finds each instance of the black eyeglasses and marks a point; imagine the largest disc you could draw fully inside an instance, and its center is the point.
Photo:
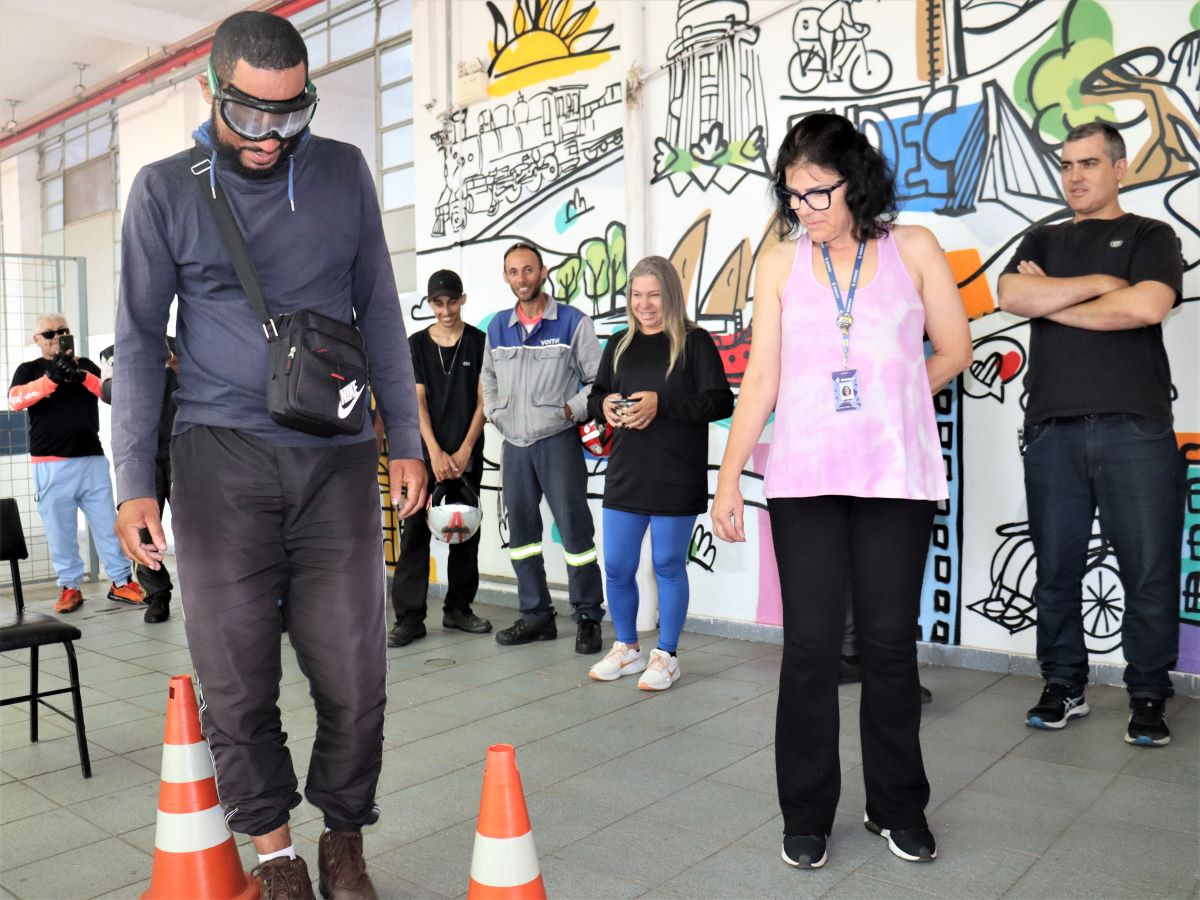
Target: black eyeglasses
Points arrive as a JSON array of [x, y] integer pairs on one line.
[[51, 335], [817, 200]]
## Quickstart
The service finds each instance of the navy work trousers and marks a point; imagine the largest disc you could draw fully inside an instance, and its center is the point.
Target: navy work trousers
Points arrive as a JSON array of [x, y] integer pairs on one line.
[[552, 467]]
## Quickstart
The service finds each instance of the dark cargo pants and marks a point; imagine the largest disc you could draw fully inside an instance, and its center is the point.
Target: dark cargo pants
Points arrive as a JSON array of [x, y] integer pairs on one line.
[[552, 467], [253, 523]]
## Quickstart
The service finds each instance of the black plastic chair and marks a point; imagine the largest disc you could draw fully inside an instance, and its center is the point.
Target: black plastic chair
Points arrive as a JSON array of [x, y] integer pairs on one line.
[[33, 630]]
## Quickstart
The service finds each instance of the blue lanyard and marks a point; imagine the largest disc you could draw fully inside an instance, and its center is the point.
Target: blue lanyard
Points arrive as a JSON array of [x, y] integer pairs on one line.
[[844, 319]]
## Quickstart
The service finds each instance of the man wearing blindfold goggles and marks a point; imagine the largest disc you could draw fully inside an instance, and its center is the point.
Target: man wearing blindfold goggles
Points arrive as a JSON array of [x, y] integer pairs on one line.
[[263, 510], [254, 134]]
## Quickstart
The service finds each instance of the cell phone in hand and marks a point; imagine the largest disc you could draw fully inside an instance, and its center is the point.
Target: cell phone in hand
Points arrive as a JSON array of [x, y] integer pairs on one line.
[[66, 344]]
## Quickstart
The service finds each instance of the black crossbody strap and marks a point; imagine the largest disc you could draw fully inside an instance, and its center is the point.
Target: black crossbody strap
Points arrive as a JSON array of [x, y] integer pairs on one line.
[[232, 236]]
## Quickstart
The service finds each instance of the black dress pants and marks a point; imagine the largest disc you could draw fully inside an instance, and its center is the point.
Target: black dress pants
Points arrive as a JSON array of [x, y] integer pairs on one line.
[[878, 548], [255, 522], [410, 584]]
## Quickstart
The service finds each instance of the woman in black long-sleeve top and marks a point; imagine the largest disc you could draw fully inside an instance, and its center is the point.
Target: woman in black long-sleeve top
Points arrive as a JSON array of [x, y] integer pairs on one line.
[[659, 385]]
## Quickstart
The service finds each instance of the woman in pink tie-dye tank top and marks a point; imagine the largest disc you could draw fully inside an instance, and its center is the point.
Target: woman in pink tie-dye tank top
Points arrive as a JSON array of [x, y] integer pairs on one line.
[[841, 310]]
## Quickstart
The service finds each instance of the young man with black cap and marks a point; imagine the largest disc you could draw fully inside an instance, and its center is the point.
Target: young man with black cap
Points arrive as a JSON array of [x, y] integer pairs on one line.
[[447, 359]]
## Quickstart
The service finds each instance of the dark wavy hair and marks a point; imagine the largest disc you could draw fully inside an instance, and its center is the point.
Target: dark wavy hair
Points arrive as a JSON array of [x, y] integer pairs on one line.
[[832, 142]]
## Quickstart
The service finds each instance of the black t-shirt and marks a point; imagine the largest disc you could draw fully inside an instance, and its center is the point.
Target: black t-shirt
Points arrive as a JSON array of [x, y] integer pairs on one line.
[[451, 379], [1076, 372], [662, 470], [66, 423]]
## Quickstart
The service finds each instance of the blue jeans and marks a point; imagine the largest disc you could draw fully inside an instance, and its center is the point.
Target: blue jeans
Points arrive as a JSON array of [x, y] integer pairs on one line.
[[64, 487], [1130, 468], [669, 537]]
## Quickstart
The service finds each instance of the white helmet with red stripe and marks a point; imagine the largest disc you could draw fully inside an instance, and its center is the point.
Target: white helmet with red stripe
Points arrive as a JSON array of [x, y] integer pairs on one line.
[[453, 523]]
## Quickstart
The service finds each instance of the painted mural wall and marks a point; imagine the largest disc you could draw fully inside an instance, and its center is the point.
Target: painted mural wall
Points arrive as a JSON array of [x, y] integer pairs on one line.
[[611, 130]]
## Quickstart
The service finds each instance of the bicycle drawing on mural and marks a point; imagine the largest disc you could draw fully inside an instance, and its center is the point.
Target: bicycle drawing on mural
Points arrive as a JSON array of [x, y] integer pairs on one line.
[[831, 48]]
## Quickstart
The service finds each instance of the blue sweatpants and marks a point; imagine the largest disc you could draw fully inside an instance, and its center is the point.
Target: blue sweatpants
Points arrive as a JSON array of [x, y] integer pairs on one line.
[[64, 487], [669, 539]]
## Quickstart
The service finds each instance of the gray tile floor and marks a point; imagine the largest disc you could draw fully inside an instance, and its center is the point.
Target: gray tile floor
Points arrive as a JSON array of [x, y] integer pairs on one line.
[[630, 794]]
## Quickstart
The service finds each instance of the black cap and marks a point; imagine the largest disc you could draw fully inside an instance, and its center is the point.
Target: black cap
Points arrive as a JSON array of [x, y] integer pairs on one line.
[[444, 283]]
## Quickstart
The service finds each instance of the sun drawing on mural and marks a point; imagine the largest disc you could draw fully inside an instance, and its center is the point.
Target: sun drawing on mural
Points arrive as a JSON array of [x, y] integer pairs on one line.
[[548, 39]]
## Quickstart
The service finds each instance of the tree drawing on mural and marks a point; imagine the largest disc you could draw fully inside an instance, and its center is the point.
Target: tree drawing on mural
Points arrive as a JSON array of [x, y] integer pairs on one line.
[[598, 271], [547, 39], [831, 48], [1047, 86], [516, 151], [1169, 110], [1014, 571], [716, 127]]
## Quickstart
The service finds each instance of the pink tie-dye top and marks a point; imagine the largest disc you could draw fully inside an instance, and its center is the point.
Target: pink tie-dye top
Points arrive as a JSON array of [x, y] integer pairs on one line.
[[889, 447]]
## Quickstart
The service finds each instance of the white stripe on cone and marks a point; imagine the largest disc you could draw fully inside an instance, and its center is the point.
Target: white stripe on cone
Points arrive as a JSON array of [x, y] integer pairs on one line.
[[185, 763], [504, 862], [190, 832]]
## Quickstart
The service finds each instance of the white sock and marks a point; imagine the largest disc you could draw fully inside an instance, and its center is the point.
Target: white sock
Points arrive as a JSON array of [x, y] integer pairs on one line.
[[289, 851]]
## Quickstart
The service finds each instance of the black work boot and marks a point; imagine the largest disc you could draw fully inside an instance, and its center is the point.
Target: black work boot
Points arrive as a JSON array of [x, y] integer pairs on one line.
[[405, 632]]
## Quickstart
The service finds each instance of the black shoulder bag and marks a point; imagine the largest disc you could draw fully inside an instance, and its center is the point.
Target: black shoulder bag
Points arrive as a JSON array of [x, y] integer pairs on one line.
[[317, 373]]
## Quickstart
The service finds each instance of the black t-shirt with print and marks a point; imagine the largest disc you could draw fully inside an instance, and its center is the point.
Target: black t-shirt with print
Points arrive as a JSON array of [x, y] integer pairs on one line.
[[1075, 371], [66, 423], [451, 379], [662, 470]]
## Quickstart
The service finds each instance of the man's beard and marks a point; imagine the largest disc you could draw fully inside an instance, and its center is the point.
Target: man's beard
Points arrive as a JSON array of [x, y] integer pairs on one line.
[[232, 154]]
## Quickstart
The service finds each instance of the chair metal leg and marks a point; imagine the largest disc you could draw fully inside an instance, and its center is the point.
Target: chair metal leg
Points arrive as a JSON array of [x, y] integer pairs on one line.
[[85, 761], [33, 694]]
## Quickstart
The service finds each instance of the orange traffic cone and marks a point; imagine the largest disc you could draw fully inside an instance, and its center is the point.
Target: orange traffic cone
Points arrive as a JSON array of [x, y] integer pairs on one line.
[[505, 863], [194, 853]]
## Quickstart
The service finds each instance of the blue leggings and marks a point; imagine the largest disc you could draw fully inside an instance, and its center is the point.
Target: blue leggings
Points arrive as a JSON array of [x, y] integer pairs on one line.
[[669, 536]]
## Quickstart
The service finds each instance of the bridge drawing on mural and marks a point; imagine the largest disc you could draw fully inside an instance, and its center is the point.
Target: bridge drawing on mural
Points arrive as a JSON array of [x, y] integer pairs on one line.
[[521, 150], [716, 128]]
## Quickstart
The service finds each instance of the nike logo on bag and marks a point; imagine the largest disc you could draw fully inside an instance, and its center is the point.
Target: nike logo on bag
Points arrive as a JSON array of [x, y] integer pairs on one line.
[[347, 397]]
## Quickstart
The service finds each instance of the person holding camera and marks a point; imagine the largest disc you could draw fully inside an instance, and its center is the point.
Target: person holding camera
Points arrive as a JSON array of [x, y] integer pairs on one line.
[[659, 384], [70, 471]]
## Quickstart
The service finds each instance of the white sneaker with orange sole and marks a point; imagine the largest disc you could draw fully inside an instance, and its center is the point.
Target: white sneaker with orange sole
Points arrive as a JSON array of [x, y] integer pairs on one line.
[[662, 671], [621, 660]]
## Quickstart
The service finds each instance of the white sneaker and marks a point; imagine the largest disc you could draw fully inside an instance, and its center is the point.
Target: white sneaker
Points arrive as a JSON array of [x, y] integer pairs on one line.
[[661, 672], [621, 660]]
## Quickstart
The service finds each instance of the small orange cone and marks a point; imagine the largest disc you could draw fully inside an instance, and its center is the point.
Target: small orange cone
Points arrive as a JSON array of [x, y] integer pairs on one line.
[[505, 863], [194, 853]]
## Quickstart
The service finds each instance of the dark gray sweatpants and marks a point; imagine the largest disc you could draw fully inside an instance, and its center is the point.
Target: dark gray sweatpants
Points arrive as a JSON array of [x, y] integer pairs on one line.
[[254, 523]]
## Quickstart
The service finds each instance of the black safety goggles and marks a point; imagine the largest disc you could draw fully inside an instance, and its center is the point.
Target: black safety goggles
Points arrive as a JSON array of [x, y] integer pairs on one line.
[[256, 119]]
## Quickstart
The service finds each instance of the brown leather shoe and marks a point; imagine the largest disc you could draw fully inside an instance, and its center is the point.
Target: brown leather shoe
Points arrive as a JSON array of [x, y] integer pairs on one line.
[[343, 871], [283, 879]]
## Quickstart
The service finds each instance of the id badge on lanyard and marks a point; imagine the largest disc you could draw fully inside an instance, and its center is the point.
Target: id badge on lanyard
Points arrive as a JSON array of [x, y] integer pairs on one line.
[[845, 381]]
